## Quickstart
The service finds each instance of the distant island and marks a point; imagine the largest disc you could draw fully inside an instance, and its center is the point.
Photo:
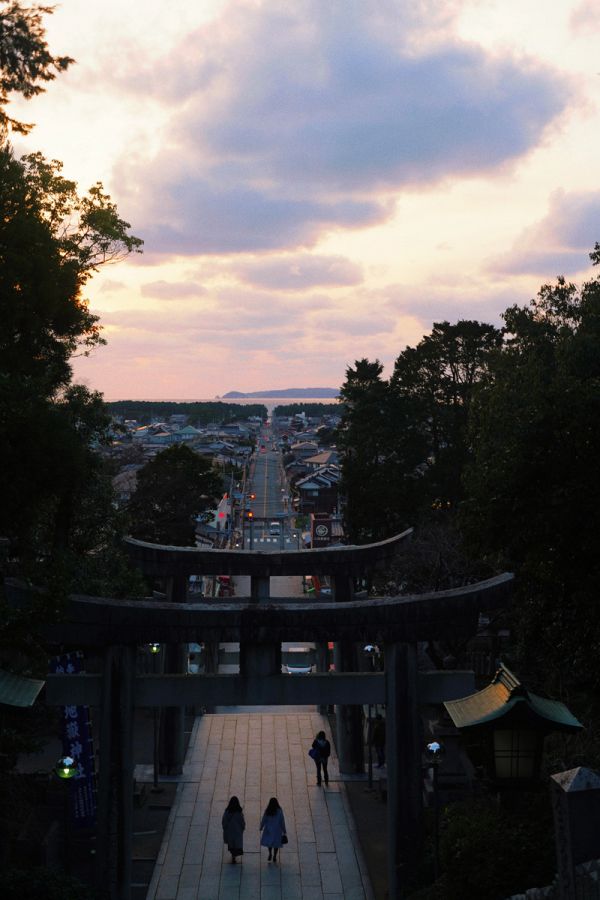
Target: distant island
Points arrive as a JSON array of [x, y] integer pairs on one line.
[[330, 393]]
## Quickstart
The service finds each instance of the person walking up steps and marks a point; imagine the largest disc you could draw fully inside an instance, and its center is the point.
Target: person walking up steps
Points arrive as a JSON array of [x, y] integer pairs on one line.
[[273, 829], [320, 752], [233, 823]]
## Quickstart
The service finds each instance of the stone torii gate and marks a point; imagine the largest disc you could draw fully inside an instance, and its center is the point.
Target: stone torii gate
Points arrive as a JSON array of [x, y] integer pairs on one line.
[[261, 624]]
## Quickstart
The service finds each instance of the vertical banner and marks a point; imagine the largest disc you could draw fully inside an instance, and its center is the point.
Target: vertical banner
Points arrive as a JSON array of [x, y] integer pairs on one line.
[[321, 531], [78, 743]]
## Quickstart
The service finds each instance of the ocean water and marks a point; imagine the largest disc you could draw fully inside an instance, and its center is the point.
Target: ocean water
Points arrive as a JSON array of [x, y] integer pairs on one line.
[[269, 402]]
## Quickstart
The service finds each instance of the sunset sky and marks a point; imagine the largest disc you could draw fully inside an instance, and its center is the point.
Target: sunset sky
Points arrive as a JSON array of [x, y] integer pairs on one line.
[[320, 180]]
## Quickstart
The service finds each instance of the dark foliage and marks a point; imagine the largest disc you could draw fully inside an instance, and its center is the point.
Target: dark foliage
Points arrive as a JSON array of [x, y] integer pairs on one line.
[[42, 884], [25, 60], [198, 413], [172, 489], [316, 410], [533, 486]]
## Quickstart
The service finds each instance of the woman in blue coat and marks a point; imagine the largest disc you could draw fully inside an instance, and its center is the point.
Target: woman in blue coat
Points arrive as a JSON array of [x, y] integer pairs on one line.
[[273, 830]]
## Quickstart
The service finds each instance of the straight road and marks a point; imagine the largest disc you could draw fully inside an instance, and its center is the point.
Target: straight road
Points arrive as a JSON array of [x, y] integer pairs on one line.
[[270, 504]]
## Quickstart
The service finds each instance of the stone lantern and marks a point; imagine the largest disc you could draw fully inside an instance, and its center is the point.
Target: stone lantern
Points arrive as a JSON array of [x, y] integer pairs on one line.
[[507, 724]]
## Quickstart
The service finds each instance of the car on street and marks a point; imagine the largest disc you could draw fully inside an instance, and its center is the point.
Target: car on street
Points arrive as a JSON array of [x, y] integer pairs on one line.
[[298, 661]]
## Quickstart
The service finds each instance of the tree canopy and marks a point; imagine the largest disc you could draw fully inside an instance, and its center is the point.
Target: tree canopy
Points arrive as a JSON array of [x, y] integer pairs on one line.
[[172, 490], [486, 440], [533, 486], [404, 440], [49, 424], [381, 451], [52, 239], [26, 63]]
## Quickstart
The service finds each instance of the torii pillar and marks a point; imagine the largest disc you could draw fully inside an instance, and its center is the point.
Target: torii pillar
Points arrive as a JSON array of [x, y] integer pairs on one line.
[[349, 725], [260, 659], [403, 759], [172, 721]]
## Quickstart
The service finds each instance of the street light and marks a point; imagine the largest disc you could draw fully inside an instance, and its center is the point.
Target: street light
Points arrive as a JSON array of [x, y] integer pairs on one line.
[[434, 754], [65, 768]]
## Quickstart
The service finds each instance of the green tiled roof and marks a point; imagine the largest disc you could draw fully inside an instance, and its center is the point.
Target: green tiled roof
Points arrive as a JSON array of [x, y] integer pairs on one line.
[[18, 691], [507, 697]]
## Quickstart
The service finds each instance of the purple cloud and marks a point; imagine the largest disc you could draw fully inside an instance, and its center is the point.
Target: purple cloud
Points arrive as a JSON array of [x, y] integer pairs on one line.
[[299, 272], [351, 323], [436, 302], [561, 242], [271, 149]]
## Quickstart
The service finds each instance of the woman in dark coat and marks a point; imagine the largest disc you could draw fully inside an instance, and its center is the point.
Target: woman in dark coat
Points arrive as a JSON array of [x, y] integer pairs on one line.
[[322, 752], [233, 828], [273, 829]]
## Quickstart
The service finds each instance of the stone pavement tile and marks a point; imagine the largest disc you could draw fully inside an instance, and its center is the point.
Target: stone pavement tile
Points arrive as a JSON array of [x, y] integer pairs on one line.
[[331, 881], [173, 860], [291, 885], [270, 873], [167, 887], [180, 825], [309, 864], [270, 892], [333, 896], [250, 879], [208, 888], [190, 876], [187, 893], [231, 877], [212, 863], [200, 816], [324, 837], [304, 836], [249, 888], [289, 862], [188, 791], [185, 808], [312, 893]]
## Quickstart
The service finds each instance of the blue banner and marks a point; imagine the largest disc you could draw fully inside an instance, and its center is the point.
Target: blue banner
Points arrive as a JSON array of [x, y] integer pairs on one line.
[[78, 743]]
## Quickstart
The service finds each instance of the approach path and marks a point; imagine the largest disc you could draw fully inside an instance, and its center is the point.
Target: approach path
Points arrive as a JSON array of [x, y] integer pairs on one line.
[[256, 756]]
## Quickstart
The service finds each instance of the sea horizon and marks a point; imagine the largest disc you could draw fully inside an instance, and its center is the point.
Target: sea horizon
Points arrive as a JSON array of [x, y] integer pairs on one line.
[[243, 401]]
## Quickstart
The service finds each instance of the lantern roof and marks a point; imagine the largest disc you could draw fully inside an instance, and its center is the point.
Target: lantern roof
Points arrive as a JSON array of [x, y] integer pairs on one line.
[[16, 690], [507, 698]]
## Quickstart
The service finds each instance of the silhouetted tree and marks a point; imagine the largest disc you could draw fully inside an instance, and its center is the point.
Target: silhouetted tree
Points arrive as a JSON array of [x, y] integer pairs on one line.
[[172, 490], [381, 450], [440, 375], [25, 60], [534, 484]]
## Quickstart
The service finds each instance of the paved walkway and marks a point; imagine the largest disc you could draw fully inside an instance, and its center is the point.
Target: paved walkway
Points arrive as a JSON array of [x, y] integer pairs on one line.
[[257, 756]]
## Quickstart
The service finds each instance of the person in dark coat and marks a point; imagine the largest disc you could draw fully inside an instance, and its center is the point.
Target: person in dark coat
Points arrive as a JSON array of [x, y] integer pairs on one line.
[[233, 823], [322, 752], [273, 828]]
